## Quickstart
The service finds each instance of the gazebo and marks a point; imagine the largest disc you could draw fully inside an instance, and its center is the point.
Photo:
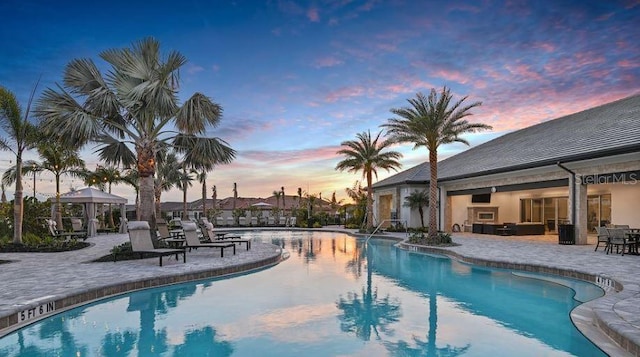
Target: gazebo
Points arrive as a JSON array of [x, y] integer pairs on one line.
[[90, 196]]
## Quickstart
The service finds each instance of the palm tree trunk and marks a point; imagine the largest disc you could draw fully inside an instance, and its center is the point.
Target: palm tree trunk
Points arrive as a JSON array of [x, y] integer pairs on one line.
[[204, 199], [18, 207], [58, 205], [156, 197], [147, 199], [184, 203], [369, 202], [433, 195], [146, 171]]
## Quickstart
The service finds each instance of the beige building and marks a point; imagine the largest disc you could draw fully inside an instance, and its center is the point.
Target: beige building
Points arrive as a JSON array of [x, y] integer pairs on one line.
[[572, 173]]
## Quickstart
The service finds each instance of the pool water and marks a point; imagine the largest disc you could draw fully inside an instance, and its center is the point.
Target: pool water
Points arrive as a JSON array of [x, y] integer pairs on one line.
[[334, 296]]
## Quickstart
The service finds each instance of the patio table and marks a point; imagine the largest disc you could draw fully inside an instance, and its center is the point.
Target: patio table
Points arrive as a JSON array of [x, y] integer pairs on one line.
[[633, 239]]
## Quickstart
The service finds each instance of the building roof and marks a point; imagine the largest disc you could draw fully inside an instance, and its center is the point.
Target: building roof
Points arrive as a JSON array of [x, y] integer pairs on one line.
[[609, 129]]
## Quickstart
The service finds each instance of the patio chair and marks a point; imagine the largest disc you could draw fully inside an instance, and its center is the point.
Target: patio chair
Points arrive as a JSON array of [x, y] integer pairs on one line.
[[617, 238], [210, 236], [193, 242], [603, 237], [141, 243]]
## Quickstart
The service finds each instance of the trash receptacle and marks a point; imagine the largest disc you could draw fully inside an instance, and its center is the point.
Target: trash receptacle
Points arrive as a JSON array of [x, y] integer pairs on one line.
[[566, 234]]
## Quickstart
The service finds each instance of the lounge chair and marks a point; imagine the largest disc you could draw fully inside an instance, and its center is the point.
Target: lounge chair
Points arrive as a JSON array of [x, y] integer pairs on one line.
[[163, 229], [210, 236], [193, 242], [140, 237]]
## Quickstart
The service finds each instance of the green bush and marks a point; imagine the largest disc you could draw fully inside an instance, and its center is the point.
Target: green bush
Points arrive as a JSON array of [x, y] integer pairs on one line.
[[421, 238], [317, 225]]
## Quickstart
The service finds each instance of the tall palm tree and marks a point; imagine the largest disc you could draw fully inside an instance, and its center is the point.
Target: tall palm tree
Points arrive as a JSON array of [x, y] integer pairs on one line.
[[430, 122], [417, 200], [20, 136], [366, 154], [132, 112]]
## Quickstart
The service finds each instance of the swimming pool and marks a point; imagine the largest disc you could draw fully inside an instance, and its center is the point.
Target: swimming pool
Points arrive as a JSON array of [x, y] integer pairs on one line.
[[333, 296]]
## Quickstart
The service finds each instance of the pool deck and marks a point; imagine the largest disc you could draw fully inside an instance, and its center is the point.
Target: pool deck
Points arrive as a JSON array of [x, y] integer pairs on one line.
[[69, 278]]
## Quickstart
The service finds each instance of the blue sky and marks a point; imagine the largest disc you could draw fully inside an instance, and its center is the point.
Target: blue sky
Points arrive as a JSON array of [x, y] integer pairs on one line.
[[296, 78]]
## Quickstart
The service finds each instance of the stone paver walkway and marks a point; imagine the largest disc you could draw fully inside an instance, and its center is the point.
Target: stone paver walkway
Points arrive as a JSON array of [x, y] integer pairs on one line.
[[36, 277]]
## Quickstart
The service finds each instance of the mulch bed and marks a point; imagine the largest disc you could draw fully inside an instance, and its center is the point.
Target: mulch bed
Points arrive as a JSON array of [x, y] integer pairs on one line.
[[61, 247]]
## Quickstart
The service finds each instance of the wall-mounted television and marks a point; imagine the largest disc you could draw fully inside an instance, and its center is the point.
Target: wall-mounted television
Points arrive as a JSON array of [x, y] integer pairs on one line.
[[481, 198]]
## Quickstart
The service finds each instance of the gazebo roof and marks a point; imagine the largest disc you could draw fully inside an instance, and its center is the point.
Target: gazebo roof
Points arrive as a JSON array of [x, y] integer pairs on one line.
[[91, 195]]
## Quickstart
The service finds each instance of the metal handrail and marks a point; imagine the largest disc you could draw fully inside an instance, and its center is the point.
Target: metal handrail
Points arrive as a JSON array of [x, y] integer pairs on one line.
[[383, 222]]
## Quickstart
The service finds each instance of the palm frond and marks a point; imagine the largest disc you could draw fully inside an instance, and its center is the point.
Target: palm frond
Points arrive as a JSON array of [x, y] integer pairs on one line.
[[196, 113]]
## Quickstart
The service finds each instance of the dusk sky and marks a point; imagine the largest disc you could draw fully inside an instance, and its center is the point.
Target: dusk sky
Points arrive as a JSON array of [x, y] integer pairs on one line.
[[297, 78]]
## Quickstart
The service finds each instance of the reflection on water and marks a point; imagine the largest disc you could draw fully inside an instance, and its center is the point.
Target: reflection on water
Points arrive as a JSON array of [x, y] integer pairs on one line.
[[333, 296]]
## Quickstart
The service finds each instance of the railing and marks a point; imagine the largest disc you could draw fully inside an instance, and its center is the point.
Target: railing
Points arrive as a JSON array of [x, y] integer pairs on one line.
[[385, 221]]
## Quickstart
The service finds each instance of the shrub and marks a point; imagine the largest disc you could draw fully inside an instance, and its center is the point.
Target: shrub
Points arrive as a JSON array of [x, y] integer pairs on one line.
[[317, 225], [420, 238]]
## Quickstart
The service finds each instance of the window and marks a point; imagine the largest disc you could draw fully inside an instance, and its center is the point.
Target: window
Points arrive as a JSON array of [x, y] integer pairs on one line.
[[485, 216]]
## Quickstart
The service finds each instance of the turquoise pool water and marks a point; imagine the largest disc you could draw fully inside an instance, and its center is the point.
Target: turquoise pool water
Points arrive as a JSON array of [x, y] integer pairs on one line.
[[332, 297]]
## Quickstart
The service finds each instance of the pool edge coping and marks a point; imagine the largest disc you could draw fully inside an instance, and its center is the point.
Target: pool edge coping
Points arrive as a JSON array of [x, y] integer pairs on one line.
[[603, 314], [9, 321]]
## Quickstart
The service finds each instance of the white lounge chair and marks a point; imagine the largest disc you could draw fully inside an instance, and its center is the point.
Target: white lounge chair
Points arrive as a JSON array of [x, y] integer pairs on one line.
[[140, 237], [193, 242]]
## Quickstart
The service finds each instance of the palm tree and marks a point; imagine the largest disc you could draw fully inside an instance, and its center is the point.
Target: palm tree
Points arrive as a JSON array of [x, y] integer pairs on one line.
[[200, 160], [283, 196], [132, 112], [430, 122], [202, 178], [20, 136], [417, 200], [167, 176], [57, 159], [131, 179], [104, 177], [359, 198], [184, 182], [277, 195], [365, 154]]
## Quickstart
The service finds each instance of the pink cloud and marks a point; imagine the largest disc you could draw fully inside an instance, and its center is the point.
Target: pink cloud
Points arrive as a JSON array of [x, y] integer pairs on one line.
[[524, 71], [313, 15], [454, 76], [290, 157], [545, 46], [327, 62], [345, 92]]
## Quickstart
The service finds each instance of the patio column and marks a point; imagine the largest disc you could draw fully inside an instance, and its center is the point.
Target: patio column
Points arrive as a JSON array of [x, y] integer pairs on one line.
[[581, 211]]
